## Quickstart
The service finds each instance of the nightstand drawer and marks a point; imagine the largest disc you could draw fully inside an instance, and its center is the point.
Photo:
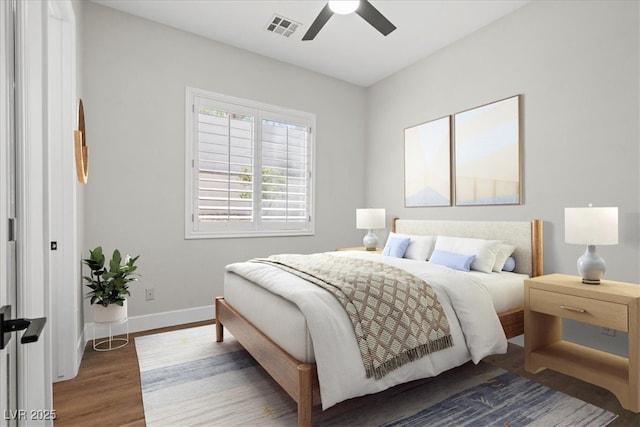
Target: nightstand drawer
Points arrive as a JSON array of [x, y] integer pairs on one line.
[[596, 312]]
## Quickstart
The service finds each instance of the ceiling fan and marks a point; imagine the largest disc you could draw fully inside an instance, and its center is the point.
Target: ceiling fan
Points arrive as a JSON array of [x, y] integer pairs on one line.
[[362, 8]]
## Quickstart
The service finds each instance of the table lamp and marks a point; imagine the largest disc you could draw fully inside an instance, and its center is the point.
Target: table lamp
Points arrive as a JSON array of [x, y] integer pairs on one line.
[[370, 219], [591, 226]]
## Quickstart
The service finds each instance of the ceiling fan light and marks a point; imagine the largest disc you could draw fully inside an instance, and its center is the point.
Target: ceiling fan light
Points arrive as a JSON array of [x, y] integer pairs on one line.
[[344, 7]]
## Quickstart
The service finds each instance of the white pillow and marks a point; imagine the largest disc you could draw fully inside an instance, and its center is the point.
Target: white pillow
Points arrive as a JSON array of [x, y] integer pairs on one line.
[[420, 247], [484, 250], [504, 252]]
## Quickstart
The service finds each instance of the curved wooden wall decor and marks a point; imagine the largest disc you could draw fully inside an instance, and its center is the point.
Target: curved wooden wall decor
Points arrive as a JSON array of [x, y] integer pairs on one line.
[[81, 149]]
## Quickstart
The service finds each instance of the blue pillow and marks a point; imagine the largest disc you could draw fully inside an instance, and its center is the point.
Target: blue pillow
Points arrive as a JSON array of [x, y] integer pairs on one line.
[[509, 264], [396, 246], [452, 260]]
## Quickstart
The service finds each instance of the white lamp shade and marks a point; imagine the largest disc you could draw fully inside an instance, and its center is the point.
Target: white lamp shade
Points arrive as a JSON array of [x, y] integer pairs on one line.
[[344, 7], [370, 219], [591, 226]]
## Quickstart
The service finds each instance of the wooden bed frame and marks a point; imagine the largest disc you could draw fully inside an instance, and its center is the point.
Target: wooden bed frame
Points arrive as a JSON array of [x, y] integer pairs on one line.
[[300, 380]]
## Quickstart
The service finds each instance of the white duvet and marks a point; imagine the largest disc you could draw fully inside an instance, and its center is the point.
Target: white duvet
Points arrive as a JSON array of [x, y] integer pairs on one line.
[[474, 324]]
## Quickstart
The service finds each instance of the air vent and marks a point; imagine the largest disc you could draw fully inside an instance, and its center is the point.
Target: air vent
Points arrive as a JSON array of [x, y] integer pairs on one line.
[[282, 25]]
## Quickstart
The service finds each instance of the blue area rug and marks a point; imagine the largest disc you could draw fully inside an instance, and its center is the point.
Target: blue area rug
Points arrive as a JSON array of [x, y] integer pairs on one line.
[[188, 379], [509, 400]]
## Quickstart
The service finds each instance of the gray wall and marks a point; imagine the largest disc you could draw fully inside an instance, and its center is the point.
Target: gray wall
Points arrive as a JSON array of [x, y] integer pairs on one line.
[[134, 79], [576, 65]]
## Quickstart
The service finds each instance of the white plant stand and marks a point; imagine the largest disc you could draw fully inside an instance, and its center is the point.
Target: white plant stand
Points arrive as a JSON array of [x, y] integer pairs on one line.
[[117, 335]]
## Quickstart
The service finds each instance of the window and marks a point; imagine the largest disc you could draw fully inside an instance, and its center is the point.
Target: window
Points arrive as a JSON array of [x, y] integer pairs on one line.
[[248, 168]]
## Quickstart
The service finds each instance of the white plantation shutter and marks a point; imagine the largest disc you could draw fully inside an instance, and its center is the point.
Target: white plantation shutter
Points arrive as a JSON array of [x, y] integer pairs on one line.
[[225, 137], [249, 168], [285, 173]]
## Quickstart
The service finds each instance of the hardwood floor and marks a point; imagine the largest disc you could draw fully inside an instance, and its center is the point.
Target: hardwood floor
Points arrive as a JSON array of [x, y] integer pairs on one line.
[[106, 391]]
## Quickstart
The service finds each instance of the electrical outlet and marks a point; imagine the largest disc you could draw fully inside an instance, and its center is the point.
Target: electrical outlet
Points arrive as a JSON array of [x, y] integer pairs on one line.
[[607, 331], [149, 294]]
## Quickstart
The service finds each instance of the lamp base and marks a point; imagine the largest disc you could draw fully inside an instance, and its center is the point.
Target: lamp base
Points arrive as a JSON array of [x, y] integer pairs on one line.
[[370, 241], [591, 266]]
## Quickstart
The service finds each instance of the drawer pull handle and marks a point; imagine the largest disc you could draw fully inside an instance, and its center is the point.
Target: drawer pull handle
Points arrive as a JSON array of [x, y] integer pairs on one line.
[[567, 307]]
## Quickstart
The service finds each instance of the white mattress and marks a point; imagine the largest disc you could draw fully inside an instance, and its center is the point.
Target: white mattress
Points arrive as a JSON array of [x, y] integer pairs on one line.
[[277, 317], [282, 321]]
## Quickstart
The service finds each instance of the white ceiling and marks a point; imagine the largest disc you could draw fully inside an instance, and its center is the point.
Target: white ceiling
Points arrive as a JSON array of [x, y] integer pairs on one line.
[[346, 48]]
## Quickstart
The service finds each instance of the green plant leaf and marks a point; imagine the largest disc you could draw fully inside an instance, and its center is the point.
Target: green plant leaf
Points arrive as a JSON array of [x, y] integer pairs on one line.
[[109, 286], [114, 264]]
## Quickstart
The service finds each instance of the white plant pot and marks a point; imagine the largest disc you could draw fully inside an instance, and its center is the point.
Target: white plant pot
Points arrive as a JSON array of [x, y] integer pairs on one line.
[[110, 313]]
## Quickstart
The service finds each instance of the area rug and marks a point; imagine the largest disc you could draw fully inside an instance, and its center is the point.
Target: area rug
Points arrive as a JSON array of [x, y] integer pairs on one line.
[[190, 380]]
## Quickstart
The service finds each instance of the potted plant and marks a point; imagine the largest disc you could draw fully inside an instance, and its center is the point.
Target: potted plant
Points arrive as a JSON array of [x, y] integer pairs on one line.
[[109, 284]]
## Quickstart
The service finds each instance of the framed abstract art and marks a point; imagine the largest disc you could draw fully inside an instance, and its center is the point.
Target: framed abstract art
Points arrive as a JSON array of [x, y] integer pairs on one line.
[[427, 163], [487, 154]]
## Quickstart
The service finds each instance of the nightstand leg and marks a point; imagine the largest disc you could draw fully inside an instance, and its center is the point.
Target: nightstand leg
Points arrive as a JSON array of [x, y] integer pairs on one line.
[[541, 330]]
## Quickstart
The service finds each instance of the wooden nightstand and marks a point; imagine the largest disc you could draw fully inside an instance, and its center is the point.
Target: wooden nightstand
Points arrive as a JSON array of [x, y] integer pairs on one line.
[[615, 305], [360, 248]]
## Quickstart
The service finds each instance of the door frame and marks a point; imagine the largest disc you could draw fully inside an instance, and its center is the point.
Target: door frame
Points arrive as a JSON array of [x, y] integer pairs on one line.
[[34, 360], [63, 223], [38, 136], [8, 288]]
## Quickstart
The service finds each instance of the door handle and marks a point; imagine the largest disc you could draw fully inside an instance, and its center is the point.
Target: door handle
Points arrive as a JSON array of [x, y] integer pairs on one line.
[[7, 326]]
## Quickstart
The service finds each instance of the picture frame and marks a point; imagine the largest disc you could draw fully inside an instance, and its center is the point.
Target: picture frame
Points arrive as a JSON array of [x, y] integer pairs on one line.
[[427, 163], [487, 154]]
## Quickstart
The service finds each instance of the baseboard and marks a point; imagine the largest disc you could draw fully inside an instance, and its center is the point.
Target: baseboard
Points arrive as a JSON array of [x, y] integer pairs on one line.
[[72, 366], [80, 346], [154, 321]]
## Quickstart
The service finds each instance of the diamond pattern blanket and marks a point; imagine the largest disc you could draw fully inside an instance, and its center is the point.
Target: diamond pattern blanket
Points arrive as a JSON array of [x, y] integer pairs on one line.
[[396, 316]]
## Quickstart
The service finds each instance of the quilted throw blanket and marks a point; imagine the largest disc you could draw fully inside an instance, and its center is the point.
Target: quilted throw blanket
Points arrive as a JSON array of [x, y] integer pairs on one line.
[[396, 316]]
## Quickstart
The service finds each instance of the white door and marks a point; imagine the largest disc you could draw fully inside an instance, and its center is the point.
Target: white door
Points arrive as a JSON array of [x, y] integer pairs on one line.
[[25, 370], [8, 367], [27, 19], [65, 317]]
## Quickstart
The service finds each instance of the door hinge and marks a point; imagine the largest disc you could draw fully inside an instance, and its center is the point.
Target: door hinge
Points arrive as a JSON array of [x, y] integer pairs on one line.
[[12, 229]]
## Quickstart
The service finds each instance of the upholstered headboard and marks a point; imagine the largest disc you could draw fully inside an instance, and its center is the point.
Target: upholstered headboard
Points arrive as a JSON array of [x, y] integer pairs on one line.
[[526, 236]]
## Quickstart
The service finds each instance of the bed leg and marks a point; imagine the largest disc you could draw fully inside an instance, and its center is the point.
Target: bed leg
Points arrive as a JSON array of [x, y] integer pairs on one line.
[[305, 398], [219, 332], [219, 329]]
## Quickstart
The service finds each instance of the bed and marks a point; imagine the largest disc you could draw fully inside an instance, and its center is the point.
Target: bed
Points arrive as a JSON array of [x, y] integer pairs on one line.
[[274, 331]]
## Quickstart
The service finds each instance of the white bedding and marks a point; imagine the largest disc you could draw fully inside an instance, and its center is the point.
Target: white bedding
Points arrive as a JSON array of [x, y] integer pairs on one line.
[[467, 302], [506, 289]]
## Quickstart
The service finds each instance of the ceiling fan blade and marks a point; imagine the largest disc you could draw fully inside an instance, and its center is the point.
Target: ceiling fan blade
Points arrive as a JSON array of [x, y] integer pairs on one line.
[[319, 22], [375, 18]]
